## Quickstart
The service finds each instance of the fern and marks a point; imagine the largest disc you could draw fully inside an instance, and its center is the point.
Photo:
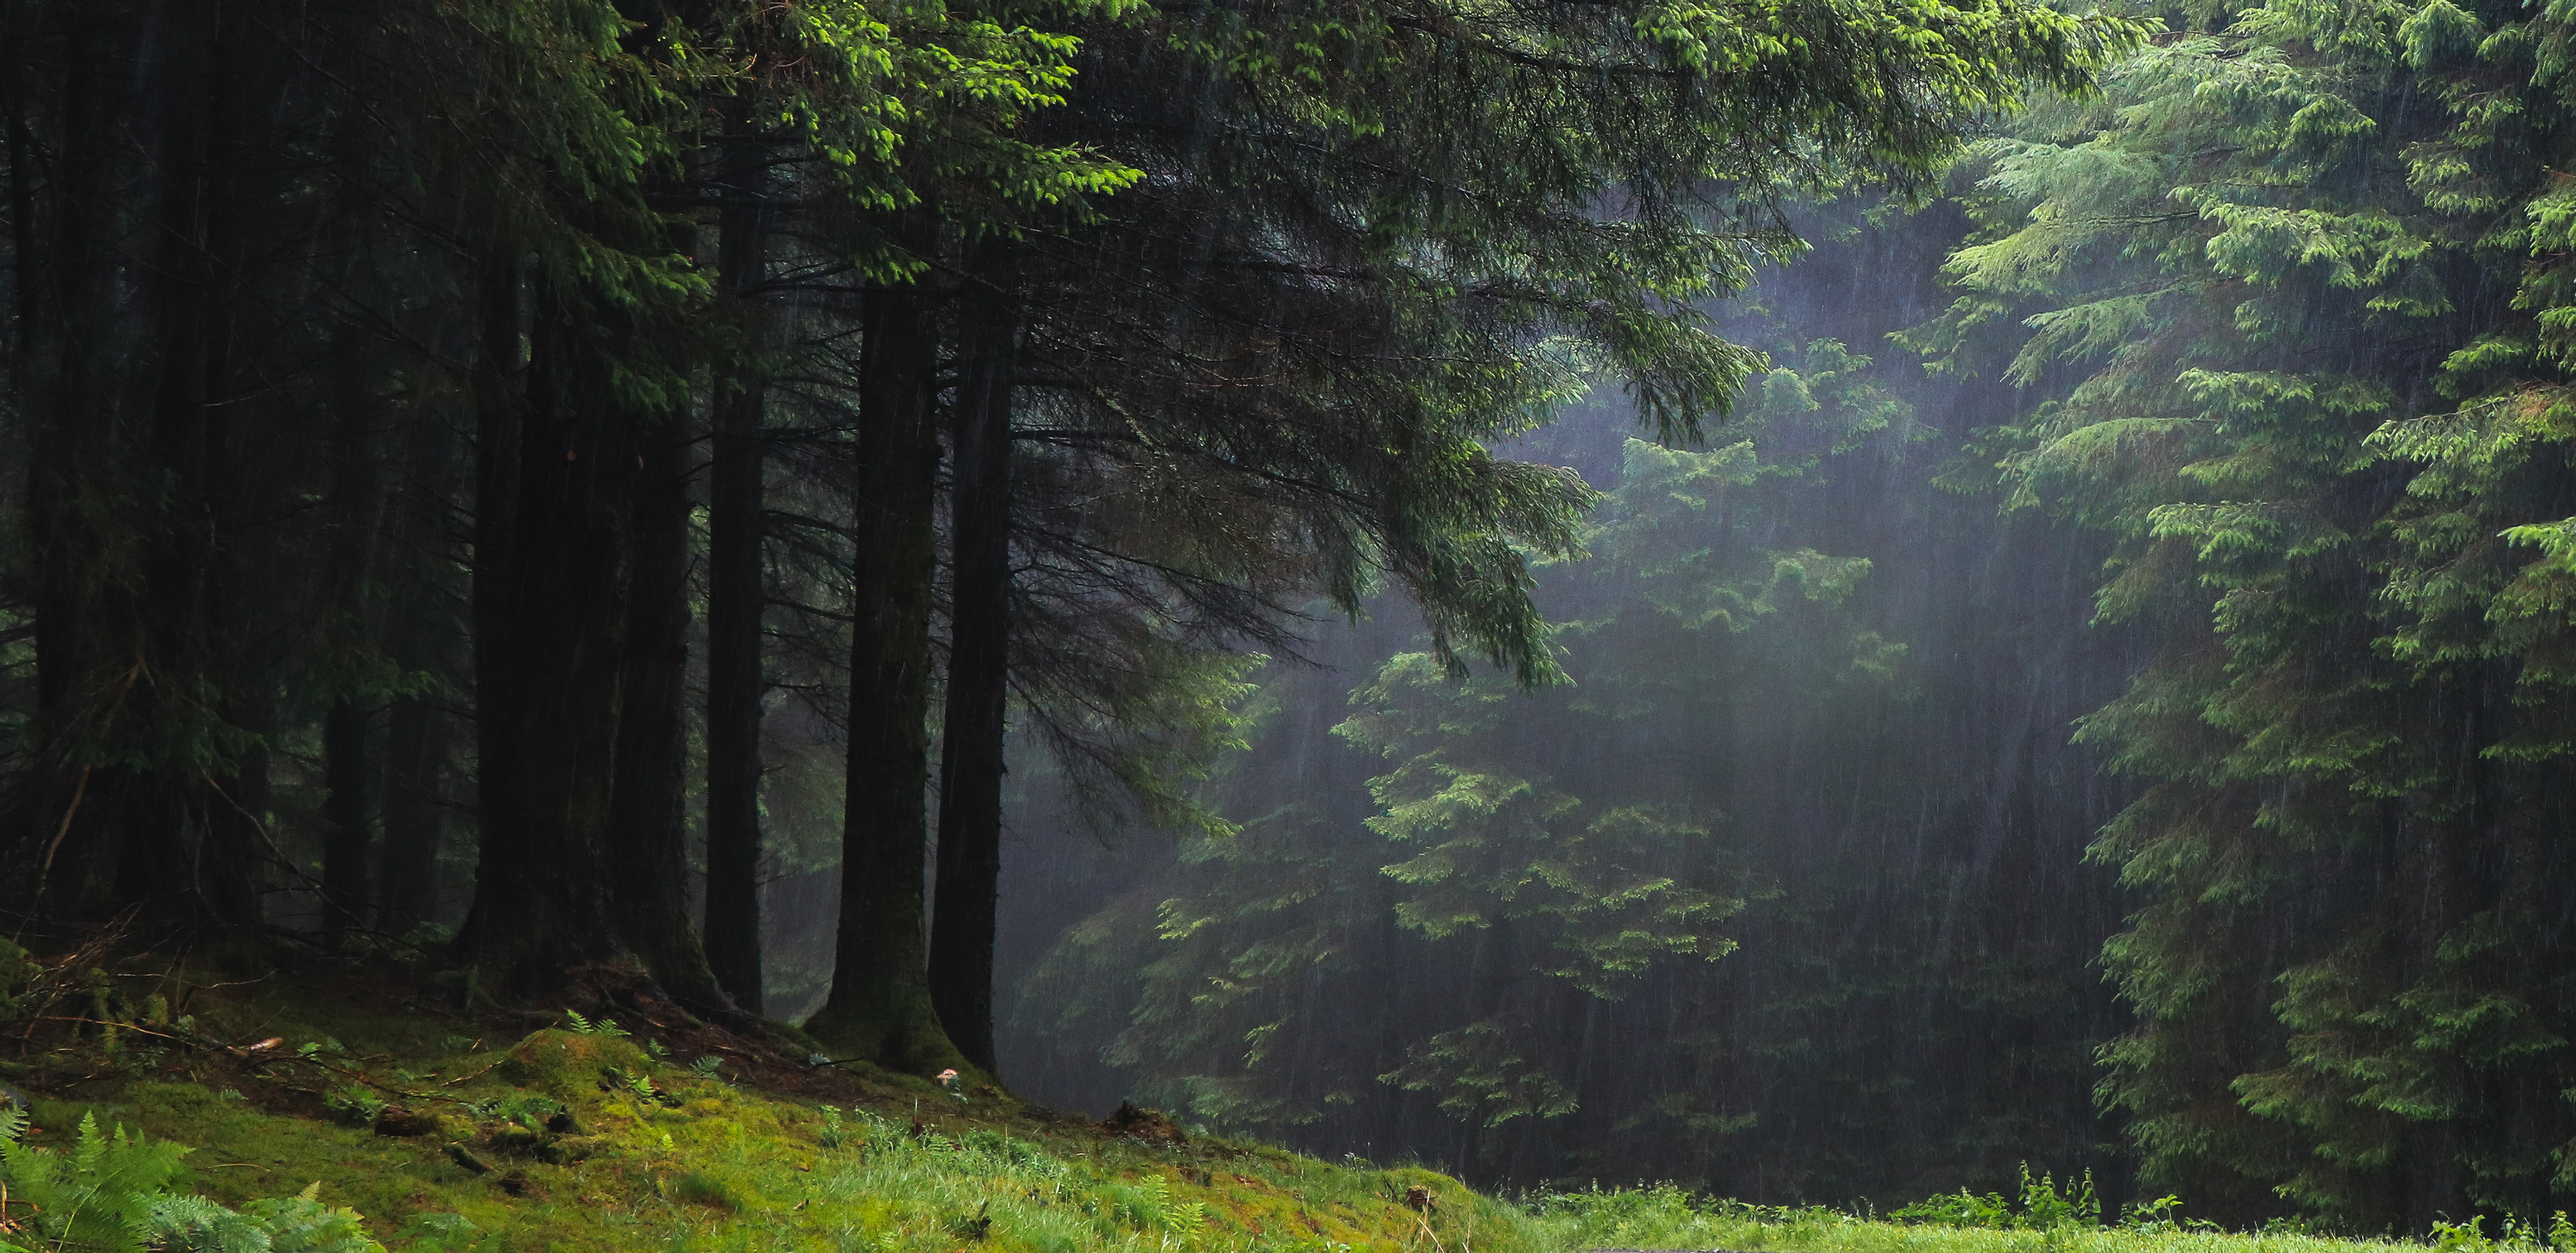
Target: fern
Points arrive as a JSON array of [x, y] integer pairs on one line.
[[97, 1198], [303, 1224], [584, 1026], [111, 1194], [193, 1224]]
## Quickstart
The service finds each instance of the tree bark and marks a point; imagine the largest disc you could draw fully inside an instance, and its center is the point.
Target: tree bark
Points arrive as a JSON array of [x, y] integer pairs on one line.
[[348, 887], [65, 456], [647, 823], [175, 644], [970, 759], [736, 592], [347, 891], [542, 906], [880, 1005], [498, 421], [415, 765]]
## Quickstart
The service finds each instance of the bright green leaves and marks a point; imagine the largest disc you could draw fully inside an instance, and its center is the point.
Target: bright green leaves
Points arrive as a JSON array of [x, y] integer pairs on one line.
[[1479, 1077], [2440, 35], [1483, 844]]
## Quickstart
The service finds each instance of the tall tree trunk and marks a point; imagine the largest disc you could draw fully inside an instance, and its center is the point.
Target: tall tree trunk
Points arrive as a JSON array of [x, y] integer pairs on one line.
[[71, 304], [169, 632], [415, 765], [418, 731], [348, 808], [880, 1005], [735, 590], [648, 824], [347, 888], [499, 422], [970, 759], [540, 903], [234, 847]]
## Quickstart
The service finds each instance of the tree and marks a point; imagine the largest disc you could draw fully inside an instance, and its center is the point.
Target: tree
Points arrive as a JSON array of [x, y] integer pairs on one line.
[[2241, 288], [1366, 252]]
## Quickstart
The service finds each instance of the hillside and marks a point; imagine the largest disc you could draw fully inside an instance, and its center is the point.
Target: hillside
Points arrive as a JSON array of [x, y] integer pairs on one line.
[[626, 1123], [347, 1104]]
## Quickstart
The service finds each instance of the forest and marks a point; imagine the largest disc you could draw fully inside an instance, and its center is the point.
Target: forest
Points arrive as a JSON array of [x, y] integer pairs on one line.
[[1820, 601]]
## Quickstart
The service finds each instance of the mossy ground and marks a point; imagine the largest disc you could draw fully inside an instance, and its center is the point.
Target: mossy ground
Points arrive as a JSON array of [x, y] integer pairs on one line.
[[672, 1135], [553, 1131]]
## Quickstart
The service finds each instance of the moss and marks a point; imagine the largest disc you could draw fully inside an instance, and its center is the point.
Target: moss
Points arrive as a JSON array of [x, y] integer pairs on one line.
[[563, 1065], [578, 1141]]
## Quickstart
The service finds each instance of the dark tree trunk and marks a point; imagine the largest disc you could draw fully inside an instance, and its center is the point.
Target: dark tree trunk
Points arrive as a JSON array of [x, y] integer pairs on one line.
[[70, 299], [175, 643], [498, 449], [419, 732], [415, 764], [540, 904], [499, 409], [970, 759], [234, 850], [880, 1004], [346, 885], [648, 857], [735, 589], [348, 809]]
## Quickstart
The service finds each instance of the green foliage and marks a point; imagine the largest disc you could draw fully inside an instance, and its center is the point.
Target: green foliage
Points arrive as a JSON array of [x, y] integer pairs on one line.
[[584, 1027], [1523, 861], [2041, 1207], [18, 972], [113, 1191], [2248, 294]]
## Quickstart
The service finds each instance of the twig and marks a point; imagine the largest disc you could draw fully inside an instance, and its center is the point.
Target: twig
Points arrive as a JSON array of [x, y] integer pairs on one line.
[[476, 1075]]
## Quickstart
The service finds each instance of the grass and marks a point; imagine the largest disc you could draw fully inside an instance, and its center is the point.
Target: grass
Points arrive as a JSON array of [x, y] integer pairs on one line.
[[490, 1132], [665, 1134], [1666, 1218]]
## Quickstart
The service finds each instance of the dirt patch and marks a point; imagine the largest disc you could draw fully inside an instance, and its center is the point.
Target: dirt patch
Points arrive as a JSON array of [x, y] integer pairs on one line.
[[1147, 1125]]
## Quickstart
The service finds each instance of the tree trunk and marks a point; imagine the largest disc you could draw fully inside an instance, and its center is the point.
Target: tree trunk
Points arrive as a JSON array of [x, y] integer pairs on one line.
[[648, 825], [970, 759], [547, 904], [736, 592], [418, 730], [498, 420], [415, 763], [174, 644], [348, 809], [65, 457], [346, 888], [880, 1004]]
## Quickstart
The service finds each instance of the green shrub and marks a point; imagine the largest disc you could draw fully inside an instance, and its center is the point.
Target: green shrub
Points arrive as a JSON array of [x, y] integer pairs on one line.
[[18, 974], [2043, 1207], [111, 1193]]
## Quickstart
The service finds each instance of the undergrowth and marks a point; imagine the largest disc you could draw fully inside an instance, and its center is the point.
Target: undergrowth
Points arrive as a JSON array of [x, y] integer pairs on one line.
[[2045, 1220], [341, 1112], [347, 1115]]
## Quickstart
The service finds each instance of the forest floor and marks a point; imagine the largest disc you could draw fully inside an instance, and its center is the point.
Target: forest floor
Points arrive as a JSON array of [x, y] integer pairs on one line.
[[623, 1123], [1640, 1220]]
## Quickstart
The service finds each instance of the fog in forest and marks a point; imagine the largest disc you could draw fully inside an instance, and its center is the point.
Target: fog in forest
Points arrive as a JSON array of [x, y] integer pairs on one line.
[[1824, 602], [1835, 700]]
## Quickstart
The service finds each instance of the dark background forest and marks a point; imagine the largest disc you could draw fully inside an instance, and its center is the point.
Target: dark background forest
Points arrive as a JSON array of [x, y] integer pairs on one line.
[[1818, 600]]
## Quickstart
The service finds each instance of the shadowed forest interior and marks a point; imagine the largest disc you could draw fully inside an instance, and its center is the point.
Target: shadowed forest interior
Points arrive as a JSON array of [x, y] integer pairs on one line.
[[1825, 601]]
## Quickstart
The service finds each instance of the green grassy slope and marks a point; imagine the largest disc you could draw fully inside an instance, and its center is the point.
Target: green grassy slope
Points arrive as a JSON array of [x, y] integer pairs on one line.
[[565, 1131], [661, 1132], [1656, 1218]]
